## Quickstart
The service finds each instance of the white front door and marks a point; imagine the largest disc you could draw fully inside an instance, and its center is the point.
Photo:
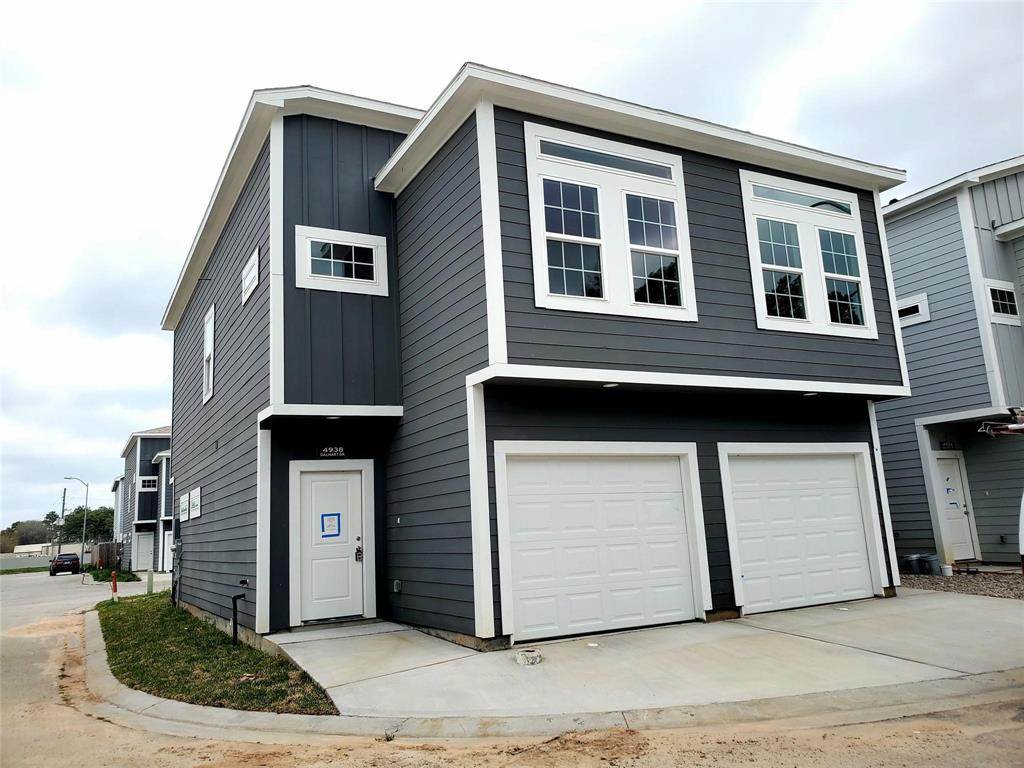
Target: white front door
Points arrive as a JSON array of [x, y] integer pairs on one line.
[[800, 530], [954, 510], [144, 551], [597, 543], [168, 552], [331, 531]]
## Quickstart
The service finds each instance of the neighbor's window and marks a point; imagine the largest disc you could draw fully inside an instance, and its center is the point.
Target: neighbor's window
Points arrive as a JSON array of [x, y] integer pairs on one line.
[[1003, 302], [806, 251], [608, 223], [208, 355], [148, 484], [348, 262], [250, 275]]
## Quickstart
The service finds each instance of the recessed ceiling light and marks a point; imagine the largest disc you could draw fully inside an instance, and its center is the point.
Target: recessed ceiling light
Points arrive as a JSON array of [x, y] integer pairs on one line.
[[333, 418], [610, 385], [810, 394]]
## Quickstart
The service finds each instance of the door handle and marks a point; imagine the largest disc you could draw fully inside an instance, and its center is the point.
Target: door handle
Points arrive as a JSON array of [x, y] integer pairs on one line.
[[359, 554]]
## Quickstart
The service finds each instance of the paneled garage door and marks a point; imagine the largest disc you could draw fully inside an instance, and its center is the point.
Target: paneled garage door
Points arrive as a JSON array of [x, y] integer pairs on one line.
[[800, 530], [597, 543]]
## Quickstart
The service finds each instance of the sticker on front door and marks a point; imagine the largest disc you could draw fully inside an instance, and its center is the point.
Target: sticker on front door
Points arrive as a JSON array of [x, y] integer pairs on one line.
[[331, 536]]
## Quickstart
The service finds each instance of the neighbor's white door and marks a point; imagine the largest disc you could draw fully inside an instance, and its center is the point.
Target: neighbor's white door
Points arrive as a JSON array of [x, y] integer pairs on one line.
[[597, 543], [954, 510], [800, 530], [144, 552], [168, 552], [331, 523]]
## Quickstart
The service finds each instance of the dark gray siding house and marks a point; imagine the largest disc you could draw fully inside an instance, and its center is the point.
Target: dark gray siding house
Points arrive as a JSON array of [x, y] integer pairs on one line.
[[955, 470], [142, 493], [534, 363]]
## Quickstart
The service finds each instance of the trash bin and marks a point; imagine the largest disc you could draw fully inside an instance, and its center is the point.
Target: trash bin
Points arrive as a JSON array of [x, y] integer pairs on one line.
[[911, 564], [930, 564]]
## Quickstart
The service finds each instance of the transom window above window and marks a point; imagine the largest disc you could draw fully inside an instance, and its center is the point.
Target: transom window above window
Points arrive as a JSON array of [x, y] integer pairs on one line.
[[347, 262], [609, 229], [806, 245], [1003, 302]]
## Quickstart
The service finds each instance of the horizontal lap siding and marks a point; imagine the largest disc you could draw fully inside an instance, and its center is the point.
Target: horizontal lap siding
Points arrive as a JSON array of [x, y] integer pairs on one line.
[[442, 315], [995, 473], [339, 348], [726, 340], [944, 357], [131, 464], [705, 418], [214, 444]]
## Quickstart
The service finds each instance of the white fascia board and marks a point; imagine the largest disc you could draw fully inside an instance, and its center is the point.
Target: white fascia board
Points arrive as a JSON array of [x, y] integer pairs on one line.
[[161, 456], [1009, 231], [135, 436], [945, 188], [954, 416], [537, 97], [707, 381], [282, 409], [263, 106]]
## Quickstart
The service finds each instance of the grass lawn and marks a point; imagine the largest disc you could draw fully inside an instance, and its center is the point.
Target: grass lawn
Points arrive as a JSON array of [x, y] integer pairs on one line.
[[33, 569], [168, 652]]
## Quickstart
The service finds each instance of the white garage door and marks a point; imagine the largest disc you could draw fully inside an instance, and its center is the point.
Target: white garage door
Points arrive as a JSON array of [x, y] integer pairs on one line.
[[800, 530], [597, 543]]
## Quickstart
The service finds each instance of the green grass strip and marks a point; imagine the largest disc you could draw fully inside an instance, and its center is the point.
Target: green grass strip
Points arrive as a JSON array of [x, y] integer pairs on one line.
[[168, 652], [32, 569]]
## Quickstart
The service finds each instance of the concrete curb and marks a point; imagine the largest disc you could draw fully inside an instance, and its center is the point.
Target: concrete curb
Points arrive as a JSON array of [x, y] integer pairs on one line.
[[137, 709]]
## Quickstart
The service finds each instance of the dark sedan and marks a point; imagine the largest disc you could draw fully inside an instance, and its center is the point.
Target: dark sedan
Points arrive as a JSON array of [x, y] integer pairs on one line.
[[65, 563]]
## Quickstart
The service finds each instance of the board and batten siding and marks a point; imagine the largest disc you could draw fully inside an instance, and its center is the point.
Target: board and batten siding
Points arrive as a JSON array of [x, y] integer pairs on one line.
[[214, 444], [944, 357], [700, 416], [443, 335], [339, 348], [726, 339]]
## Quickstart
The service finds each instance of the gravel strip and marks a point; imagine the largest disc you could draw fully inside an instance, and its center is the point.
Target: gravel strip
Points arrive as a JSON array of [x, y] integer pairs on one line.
[[991, 584]]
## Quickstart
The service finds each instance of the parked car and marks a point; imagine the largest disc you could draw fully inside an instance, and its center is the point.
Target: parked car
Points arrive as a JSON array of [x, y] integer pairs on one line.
[[65, 563]]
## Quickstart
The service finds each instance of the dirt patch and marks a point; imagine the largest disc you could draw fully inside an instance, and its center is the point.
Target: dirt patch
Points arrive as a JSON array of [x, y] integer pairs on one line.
[[46, 627], [1009, 585]]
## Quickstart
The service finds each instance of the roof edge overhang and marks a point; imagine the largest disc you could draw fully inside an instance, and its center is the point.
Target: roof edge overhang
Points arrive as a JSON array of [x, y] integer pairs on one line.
[[135, 436], [950, 187], [475, 83], [252, 133]]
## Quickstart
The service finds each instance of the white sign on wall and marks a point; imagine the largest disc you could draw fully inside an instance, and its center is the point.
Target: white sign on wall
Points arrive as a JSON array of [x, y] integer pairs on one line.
[[194, 506], [183, 507]]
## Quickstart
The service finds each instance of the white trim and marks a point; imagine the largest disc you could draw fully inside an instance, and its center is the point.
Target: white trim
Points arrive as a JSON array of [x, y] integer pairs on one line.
[[304, 277], [490, 215], [694, 509], [945, 553], [954, 416], [154, 489], [603, 375], [869, 506], [135, 436], [613, 238], [295, 469], [883, 493], [1011, 230], [891, 287], [923, 312], [330, 410], [209, 334], [480, 512], [474, 82], [276, 303], [263, 463], [942, 189], [981, 297], [1001, 318], [812, 270], [250, 274]]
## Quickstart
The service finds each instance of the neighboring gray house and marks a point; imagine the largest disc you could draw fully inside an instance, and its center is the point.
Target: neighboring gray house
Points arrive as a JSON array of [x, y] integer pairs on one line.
[[535, 362], [958, 261], [142, 504]]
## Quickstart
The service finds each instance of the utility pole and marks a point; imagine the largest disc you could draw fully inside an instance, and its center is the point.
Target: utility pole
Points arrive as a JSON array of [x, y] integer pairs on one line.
[[85, 517], [63, 503]]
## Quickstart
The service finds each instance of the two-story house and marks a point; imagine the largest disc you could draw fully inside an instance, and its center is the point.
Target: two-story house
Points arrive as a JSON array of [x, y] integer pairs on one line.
[[955, 469], [534, 362], [143, 521]]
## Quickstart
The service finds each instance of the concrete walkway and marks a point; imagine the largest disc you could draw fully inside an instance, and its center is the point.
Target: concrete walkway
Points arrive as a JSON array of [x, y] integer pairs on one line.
[[386, 670]]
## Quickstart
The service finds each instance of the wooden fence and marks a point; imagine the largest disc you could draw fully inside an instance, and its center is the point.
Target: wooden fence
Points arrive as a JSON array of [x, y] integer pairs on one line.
[[106, 555]]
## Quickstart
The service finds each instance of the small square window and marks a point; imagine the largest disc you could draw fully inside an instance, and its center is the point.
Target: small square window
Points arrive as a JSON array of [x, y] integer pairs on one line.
[[1004, 302]]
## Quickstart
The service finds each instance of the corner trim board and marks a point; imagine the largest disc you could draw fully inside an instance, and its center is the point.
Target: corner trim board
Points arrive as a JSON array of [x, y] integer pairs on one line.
[[883, 493], [480, 513], [891, 285], [263, 454], [487, 159], [276, 304]]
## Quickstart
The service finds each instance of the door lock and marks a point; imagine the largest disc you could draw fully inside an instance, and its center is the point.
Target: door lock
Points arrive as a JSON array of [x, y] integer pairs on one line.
[[359, 554]]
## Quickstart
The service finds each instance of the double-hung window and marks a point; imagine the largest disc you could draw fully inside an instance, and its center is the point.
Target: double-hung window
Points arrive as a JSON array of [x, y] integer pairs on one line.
[[346, 262], [208, 336], [609, 228], [807, 258]]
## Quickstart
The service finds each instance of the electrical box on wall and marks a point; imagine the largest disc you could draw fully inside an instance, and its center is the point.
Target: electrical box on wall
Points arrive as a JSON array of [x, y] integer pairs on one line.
[[398, 585]]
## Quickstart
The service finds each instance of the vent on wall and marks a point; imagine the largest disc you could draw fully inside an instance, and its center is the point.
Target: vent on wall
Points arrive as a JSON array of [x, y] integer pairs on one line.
[[913, 310]]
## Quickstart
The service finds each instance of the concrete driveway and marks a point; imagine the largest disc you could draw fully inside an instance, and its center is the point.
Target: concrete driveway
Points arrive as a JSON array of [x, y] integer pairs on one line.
[[388, 670]]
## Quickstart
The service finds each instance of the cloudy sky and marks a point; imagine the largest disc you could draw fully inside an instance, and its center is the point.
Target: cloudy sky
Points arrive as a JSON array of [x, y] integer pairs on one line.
[[118, 117]]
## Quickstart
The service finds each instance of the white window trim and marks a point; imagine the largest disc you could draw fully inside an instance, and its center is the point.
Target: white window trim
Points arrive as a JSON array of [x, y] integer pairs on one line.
[[865, 482], [250, 274], [154, 489], [808, 223], [304, 278], [998, 317], [209, 320], [612, 186], [686, 453], [923, 313]]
